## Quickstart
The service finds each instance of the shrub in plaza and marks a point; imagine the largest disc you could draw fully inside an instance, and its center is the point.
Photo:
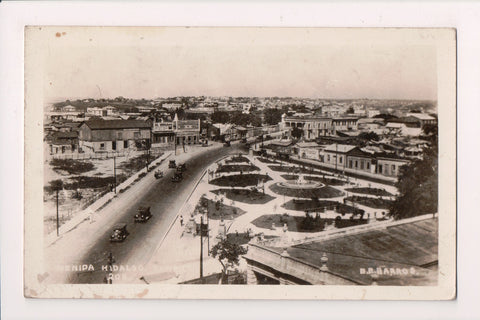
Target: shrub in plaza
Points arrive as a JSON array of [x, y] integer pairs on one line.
[[291, 169], [266, 160], [345, 223], [329, 181], [237, 168], [72, 166], [251, 196], [371, 191], [238, 159], [370, 202], [240, 180], [294, 223], [310, 222], [321, 192], [217, 210], [320, 206], [238, 238]]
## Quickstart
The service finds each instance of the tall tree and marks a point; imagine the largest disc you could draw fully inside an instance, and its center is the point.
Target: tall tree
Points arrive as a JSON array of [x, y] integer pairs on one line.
[[297, 133], [220, 117], [272, 116], [228, 254], [418, 187]]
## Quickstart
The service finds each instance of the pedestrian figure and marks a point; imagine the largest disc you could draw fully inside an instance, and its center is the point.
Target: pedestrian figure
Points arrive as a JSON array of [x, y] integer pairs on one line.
[[181, 220]]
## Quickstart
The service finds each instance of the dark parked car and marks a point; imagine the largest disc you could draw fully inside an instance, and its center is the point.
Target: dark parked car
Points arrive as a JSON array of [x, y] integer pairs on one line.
[[172, 164], [143, 214], [226, 144], [119, 232]]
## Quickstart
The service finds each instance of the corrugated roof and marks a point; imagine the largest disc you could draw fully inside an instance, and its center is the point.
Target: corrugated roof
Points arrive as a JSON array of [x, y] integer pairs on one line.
[[304, 144], [413, 244], [340, 148], [421, 116], [117, 124]]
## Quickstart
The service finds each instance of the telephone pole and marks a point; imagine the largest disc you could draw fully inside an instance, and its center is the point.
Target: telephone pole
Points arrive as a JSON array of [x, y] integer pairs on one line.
[[57, 215], [201, 249], [114, 175]]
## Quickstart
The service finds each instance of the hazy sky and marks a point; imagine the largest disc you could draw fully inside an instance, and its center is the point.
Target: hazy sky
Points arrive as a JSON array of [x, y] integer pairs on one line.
[[190, 62]]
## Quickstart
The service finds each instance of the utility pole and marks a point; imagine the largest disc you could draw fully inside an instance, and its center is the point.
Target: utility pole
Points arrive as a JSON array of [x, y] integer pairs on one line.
[[114, 175], [175, 144], [208, 233], [57, 215], [336, 156], [201, 249]]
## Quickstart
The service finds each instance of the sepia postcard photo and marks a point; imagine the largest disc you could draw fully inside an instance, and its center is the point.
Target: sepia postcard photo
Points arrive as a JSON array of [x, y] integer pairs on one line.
[[240, 163]]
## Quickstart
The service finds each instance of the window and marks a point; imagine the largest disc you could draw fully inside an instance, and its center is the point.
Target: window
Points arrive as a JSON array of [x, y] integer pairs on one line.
[[362, 164], [341, 159], [393, 167], [328, 158], [125, 144], [102, 146], [368, 165], [350, 164], [114, 145]]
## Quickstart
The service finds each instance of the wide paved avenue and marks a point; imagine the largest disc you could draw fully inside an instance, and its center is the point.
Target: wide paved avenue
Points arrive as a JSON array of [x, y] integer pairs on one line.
[[89, 244]]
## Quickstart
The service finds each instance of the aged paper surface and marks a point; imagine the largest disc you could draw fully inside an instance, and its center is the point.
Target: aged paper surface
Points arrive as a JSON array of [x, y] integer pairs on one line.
[[269, 123]]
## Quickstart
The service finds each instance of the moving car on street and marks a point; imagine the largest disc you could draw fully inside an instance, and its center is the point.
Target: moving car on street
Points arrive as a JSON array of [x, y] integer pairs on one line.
[[177, 177], [158, 174], [143, 214], [181, 167], [119, 233]]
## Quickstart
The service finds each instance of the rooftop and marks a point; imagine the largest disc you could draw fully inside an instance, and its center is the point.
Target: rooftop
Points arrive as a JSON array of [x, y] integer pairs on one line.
[[117, 124], [304, 144], [421, 116], [340, 148], [410, 247]]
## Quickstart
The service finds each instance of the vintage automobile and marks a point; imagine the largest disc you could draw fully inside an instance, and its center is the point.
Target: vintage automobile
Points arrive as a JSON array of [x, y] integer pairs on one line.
[[172, 164], [119, 232], [158, 174], [143, 214], [177, 177], [181, 167], [226, 144]]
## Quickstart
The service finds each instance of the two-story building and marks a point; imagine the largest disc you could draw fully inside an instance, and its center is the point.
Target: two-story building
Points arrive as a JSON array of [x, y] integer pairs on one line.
[[313, 127], [186, 131], [114, 135], [162, 134], [344, 124]]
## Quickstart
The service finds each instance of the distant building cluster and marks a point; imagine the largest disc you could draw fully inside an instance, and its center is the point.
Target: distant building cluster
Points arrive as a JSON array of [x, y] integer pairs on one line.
[[118, 125]]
